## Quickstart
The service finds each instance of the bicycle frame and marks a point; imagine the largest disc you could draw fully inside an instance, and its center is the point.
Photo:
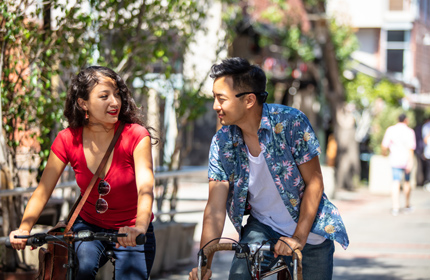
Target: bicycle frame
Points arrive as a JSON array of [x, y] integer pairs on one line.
[[254, 252]]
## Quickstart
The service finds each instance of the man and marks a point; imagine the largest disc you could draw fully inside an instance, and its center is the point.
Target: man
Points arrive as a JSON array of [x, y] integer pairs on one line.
[[426, 154], [265, 160], [400, 140]]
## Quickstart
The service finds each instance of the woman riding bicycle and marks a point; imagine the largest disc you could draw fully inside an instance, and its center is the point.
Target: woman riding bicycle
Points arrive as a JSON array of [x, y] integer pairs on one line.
[[97, 101]]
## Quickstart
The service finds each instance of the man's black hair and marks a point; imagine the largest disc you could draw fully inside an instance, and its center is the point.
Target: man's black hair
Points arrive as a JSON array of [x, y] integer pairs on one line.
[[402, 118], [246, 77]]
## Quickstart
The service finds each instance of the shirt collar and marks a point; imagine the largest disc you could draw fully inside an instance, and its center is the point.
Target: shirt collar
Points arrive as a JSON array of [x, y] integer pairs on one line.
[[236, 132], [265, 118]]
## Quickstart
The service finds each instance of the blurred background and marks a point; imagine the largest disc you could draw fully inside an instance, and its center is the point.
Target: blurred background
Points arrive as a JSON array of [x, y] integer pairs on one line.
[[351, 66]]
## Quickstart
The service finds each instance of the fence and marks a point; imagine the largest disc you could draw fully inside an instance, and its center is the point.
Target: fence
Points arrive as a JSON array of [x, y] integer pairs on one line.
[[165, 189]]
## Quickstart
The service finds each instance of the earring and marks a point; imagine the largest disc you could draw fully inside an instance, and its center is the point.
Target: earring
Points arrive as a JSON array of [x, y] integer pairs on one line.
[[86, 115]]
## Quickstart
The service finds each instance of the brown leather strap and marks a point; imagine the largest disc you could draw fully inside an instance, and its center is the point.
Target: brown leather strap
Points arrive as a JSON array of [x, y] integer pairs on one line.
[[95, 177]]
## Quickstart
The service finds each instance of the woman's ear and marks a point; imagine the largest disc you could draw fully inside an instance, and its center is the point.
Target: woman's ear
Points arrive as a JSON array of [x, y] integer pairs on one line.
[[82, 104]]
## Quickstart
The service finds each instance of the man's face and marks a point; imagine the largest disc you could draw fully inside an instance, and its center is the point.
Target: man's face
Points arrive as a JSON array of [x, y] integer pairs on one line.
[[230, 109]]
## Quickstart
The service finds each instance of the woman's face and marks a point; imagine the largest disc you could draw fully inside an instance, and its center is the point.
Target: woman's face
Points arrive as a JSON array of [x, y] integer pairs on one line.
[[104, 102]]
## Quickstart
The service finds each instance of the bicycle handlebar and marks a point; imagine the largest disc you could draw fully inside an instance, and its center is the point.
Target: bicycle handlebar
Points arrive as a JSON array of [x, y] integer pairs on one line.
[[40, 239], [253, 248]]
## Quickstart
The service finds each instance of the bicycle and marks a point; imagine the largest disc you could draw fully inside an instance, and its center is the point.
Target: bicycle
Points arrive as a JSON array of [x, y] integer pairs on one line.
[[254, 253], [39, 239]]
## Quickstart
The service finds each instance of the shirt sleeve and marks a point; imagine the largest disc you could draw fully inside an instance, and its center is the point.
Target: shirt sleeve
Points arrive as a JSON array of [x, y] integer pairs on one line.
[[137, 133], [216, 171], [305, 145], [59, 146], [386, 140]]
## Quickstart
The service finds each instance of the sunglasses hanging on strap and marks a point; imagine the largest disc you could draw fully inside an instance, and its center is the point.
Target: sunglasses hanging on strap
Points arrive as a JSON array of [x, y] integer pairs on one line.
[[81, 200]]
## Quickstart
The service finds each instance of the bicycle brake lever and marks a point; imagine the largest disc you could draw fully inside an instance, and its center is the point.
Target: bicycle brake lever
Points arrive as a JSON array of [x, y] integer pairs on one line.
[[201, 261]]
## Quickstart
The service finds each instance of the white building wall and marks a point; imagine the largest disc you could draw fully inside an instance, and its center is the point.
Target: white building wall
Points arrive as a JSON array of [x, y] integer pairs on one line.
[[369, 45], [373, 19], [357, 13], [202, 53]]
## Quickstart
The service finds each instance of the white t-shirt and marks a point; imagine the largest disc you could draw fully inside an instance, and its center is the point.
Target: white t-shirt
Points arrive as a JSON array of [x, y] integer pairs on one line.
[[400, 139], [266, 202]]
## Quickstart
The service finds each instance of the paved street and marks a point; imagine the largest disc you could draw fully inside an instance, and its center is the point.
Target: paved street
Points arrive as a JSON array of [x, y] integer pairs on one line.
[[382, 246]]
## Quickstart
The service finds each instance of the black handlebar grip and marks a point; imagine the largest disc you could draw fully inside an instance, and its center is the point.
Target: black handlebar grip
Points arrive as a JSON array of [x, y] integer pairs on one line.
[[272, 247], [7, 243], [141, 239]]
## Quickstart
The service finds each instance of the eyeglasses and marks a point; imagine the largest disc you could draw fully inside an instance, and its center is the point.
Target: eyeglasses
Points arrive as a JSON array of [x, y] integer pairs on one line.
[[243, 93], [101, 204], [264, 94]]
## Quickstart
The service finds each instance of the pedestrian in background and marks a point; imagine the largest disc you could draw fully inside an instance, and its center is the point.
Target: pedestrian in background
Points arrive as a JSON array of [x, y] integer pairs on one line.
[[400, 140], [426, 154]]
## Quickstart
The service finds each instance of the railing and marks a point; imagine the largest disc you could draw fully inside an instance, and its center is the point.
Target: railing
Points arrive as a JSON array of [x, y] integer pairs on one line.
[[162, 175], [188, 171]]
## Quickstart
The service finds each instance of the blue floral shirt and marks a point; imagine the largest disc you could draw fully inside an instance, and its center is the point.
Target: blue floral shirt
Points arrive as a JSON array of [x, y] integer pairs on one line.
[[287, 140]]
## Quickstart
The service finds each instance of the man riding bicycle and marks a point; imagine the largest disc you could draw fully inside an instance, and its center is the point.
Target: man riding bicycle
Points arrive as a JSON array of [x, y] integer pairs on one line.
[[264, 161]]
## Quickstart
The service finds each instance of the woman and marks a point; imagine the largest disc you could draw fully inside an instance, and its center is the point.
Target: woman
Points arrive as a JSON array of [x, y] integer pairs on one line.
[[97, 101]]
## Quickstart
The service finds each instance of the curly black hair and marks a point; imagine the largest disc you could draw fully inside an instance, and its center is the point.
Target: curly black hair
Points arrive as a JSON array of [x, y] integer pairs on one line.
[[84, 83], [81, 87]]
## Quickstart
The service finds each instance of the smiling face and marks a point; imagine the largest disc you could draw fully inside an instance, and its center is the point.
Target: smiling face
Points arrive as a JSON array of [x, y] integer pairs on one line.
[[104, 102], [231, 110]]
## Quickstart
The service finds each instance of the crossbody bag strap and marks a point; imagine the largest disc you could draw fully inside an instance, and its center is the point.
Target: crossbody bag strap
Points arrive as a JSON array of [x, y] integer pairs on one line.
[[94, 179]]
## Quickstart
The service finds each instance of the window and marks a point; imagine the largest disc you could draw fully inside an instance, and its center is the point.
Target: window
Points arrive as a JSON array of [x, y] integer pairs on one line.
[[396, 45], [395, 60], [396, 36], [396, 5]]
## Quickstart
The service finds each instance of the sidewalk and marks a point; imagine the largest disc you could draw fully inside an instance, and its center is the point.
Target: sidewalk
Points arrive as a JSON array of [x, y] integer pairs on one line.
[[382, 246]]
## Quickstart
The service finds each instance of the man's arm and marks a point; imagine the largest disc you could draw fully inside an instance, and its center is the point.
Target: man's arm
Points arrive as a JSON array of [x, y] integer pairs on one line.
[[214, 215], [213, 218], [312, 176]]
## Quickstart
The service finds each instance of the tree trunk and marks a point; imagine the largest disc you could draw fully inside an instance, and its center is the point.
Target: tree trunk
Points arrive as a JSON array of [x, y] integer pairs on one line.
[[347, 158]]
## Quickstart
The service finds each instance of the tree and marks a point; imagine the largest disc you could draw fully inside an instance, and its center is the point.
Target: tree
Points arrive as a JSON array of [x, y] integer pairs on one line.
[[31, 106], [44, 43], [304, 35]]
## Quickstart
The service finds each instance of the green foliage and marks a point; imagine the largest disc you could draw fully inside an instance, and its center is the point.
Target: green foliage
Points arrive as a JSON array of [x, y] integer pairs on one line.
[[31, 52], [363, 90], [136, 38], [345, 43], [132, 37]]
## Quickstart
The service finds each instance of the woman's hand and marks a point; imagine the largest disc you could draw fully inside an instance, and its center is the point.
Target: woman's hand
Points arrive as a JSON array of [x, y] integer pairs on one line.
[[132, 233], [18, 243]]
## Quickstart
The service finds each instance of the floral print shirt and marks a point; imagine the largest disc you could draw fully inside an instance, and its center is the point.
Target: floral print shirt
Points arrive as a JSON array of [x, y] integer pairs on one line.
[[287, 141]]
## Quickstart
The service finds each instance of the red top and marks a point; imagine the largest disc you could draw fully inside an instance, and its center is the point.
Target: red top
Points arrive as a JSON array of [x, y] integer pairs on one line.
[[122, 199]]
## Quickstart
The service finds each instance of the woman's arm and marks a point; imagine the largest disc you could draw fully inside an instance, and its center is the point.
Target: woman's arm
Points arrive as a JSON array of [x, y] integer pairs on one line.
[[145, 185], [39, 198]]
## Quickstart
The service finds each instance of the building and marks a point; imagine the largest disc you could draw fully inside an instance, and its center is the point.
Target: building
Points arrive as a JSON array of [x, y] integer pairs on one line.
[[394, 37]]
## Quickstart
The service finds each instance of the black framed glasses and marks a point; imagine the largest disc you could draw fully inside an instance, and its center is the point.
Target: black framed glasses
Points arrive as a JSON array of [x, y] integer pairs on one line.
[[101, 204], [264, 94], [243, 93]]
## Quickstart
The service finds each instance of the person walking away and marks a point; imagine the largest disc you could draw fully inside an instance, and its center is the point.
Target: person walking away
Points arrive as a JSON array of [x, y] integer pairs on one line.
[[264, 161], [399, 139], [426, 139], [121, 201]]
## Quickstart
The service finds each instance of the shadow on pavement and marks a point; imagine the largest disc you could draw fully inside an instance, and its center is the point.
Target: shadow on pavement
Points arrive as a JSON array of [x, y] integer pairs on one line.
[[367, 268]]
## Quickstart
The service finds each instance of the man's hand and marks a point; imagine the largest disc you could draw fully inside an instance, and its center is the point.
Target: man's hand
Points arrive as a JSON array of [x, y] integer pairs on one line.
[[281, 249], [193, 274]]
